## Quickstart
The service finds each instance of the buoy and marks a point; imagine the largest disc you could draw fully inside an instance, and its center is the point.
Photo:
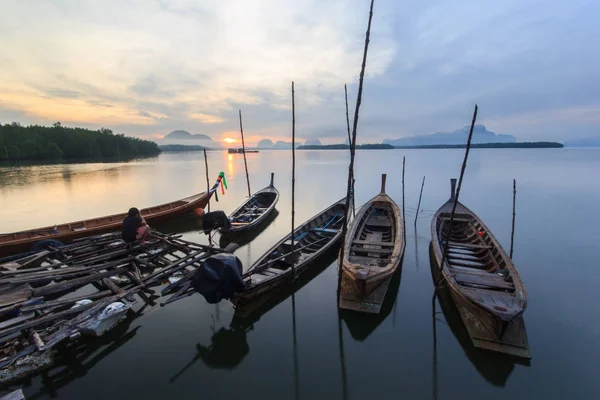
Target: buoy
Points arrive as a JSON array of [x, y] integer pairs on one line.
[[199, 212]]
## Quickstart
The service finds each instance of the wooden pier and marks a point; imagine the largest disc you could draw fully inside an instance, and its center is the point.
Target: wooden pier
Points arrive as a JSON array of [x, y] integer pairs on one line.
[[84, 288]]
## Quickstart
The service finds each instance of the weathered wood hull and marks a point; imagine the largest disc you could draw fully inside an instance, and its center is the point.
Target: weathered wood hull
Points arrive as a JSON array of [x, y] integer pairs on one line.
[[265, 198], [21, 242], [364, 271], [482, 280], [273, 270]]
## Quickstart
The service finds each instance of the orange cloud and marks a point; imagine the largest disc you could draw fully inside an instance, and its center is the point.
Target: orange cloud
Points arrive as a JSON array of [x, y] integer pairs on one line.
[[207, 118]]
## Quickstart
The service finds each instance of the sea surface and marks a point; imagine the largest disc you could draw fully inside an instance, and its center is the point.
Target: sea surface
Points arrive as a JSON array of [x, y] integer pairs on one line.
[[299, 346]]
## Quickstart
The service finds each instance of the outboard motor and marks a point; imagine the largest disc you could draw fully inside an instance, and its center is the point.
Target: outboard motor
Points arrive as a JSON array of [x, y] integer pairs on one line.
[[215, 220], [219, 277]]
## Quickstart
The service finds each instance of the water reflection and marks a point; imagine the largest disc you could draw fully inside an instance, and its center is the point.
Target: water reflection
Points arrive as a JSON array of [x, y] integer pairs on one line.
[[229, 346], [494, 367], [75, 359], [362, 325]]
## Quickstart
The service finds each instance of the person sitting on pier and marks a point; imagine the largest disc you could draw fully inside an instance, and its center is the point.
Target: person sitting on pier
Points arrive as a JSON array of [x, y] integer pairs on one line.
[[134, 227]]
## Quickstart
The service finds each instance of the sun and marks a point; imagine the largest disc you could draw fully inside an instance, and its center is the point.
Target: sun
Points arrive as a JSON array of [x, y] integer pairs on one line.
[[229, 140]]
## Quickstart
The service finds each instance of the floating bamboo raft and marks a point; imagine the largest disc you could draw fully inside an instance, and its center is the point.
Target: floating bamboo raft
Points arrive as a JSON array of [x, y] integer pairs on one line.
[[59, 294]]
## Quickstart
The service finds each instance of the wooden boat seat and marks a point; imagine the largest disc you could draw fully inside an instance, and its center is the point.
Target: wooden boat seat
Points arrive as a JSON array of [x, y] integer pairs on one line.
[[470, 270], [371, 261], [370, 250], [382, 222], [374, 243], [491, 280], [452, 244], [466, 263]]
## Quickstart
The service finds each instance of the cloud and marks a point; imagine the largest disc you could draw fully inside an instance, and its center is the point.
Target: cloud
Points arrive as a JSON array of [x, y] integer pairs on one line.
[[149, 67]]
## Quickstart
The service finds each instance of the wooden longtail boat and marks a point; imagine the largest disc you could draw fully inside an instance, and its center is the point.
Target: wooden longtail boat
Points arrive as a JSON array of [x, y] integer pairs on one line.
[[494, 367], [373, 249], [484, 283], [20, 242], [254, 211], [311, 239]]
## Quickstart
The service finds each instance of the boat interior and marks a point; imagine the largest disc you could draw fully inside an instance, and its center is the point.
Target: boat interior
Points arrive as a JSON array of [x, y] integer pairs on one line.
[[472, 258], [309, 239], [374, 240], [253, 209]]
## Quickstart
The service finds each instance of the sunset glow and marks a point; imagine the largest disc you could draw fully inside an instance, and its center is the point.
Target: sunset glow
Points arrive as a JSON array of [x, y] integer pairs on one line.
[[229, 140]]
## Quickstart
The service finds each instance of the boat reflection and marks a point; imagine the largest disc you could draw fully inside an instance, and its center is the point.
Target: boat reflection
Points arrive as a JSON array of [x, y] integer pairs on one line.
[[229, 346], [494, 367], [362, 325]]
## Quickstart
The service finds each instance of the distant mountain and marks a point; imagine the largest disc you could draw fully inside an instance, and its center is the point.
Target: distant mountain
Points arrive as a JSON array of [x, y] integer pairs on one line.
[[185, 135], [592, 141], [177, 148], [181, 137], [459, 136], [265, 144], [284, 145], [312, 142]]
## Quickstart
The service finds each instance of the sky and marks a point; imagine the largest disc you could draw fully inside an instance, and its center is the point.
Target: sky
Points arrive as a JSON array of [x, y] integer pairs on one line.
[[146, 68]]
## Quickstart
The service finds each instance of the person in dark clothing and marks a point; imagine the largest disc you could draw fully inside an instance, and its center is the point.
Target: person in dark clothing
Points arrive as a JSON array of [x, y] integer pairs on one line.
[[134, 226]]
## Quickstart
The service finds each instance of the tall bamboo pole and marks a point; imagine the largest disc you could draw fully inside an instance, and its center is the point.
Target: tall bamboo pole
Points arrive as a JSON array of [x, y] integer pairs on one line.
[[350, 146], [512, 232], [244, 150], [353, 141], [462, 173], [419, 204], [293, 176]]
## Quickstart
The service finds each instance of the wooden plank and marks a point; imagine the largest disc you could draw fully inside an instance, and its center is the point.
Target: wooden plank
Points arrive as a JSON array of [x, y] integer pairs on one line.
[[369, 242], [112, 286], [469, 245], [473, 271], [67, 285], [19, 295], [459, 263], [16, 320], [489, 281], [371, 250], [383, 223]]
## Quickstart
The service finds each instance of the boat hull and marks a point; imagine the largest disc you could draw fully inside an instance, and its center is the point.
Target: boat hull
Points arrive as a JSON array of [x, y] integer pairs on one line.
[[23, 241], [269, 190], [258, 286], [366, 272]]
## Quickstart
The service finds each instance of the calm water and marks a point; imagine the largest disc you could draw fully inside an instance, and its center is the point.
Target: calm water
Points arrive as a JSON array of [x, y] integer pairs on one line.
[[297, 347]]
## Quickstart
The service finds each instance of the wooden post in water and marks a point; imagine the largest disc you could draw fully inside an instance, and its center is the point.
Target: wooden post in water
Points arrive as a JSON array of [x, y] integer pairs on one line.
[[293, 176], [208, 189], [207, 178], [353, 142], [244, 150], [512, 232], [462, 173], [350, 146], [403, 213], [419, 204]]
